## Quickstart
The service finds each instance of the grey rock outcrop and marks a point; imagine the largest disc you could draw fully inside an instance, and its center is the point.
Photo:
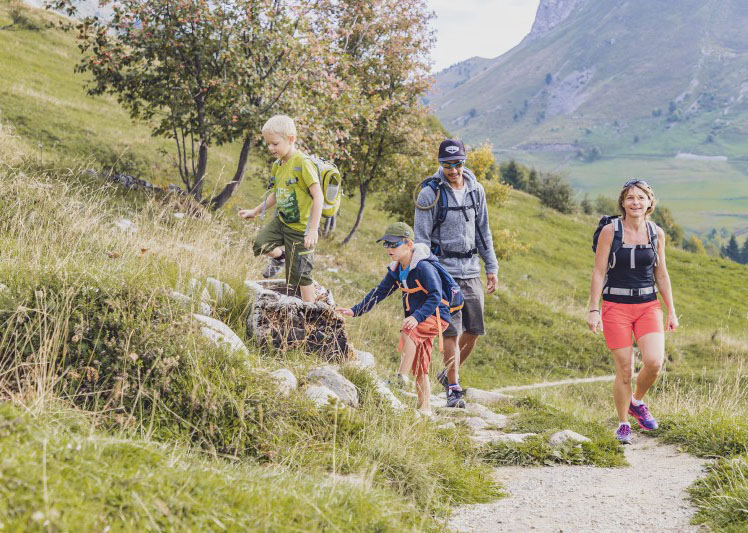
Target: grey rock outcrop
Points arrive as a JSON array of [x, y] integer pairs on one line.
[[493, 419], [550, 14], [202, 307], [221, 291], [362, 359], [220, 333], [387, 394], [282, 321], [320, 395], [566, 435], [331, 378], [286, 381], [482, 396]]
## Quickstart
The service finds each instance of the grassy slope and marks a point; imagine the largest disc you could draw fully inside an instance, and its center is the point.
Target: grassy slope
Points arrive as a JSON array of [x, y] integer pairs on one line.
[[535, 329]]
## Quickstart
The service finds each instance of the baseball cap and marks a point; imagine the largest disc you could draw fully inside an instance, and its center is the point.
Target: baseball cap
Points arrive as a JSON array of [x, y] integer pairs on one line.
[[397, 232], [452, 150]]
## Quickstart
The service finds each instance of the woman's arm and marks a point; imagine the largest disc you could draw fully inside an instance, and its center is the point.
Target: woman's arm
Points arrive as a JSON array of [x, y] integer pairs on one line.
[[602, 255], [663, 281]]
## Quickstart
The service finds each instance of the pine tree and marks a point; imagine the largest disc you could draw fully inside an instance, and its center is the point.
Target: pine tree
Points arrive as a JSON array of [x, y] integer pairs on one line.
[[744, 252], [732, 251]]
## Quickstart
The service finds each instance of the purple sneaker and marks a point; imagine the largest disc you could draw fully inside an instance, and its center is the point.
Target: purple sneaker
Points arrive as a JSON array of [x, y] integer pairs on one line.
[[623, 434], [643, 416]]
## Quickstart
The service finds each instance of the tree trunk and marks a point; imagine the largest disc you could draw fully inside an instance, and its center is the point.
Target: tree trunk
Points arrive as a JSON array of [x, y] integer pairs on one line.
[[202, 167], [364, 190], [218, 201]]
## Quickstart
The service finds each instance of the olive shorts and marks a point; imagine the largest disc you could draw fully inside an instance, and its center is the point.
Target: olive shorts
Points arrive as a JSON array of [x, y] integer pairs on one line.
[[299, 260], [470, 317]]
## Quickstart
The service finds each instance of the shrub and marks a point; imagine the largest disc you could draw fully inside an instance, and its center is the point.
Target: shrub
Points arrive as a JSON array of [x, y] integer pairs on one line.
[[606, 206], [556, 193]]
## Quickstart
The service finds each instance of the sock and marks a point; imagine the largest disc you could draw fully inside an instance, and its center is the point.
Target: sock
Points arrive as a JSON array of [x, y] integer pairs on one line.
[[624, 424], [636, 402], [455, 386], [282, 256]]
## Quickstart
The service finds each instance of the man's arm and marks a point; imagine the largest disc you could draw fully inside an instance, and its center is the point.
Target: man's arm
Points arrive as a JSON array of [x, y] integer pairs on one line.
[[423, 220], [487, 253]]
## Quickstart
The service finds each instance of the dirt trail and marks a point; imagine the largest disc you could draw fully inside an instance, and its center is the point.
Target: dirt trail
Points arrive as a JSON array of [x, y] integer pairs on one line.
[[573, 381], [649, 495]]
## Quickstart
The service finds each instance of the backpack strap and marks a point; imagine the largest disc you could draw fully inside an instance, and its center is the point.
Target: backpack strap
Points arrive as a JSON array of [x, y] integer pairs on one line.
[[653, 239], [617, 242]]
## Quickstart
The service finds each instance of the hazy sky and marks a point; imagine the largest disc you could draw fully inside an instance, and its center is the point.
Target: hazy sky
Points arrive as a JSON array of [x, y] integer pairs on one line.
[[486, 28]]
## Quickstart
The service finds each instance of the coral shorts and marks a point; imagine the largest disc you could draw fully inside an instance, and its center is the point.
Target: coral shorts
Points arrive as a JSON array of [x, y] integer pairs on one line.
[[620, 321]]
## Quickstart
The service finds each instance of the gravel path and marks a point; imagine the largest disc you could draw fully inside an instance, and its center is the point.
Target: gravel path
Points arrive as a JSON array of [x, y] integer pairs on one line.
[[573, 381], [650, 495]]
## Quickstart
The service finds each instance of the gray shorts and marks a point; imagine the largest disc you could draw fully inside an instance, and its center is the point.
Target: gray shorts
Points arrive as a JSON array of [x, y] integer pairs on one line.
[[470, 317]]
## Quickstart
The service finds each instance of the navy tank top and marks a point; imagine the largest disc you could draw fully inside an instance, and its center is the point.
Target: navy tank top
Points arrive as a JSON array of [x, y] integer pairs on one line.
[[633, 269]]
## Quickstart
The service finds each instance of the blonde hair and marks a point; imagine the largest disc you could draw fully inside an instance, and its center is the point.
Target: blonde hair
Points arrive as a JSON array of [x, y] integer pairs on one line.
[[642, 186], [280, 124]]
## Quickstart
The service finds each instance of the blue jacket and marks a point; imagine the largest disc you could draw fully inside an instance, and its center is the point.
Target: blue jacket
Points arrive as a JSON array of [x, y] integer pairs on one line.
[[419, 305]]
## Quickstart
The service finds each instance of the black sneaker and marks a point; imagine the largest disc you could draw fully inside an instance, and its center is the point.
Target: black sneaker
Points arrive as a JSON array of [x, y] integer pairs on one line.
[[273, 267], [454, 398], [443, 380]]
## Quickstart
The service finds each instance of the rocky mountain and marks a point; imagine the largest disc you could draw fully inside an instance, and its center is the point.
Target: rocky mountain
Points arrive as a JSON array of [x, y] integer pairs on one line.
[[599, 84]]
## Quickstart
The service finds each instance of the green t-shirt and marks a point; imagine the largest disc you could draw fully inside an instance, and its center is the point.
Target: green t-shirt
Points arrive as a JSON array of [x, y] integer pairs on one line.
[[292, 181]]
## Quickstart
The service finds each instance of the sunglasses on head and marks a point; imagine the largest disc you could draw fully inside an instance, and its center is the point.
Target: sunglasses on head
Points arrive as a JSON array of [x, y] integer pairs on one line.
[[446, 164], [392, 244], [630, 183]]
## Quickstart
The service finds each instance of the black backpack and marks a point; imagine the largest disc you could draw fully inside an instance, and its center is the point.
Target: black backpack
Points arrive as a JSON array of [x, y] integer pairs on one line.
[[441, 201], [618, 236]]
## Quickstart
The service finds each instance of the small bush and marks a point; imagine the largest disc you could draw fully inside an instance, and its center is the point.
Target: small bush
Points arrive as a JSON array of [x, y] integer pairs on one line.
[[556, 193]]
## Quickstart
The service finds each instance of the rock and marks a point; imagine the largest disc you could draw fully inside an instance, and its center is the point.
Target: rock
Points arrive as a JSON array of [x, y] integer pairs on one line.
[[130, 182], [486, 414], [331, 378], [179, 215], [475, 423], [221, 291], [448, 425], [194, 287], [3, 287], [362, 359], [481, 396], [282, 321], [125, 225], [512, 437], [387, 394], [286, 381], [220, 333], [320, 395], [566, 435], [183, 299]]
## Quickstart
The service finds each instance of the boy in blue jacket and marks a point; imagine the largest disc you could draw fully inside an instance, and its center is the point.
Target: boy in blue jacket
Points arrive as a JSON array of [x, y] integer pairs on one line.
[[426, 314]]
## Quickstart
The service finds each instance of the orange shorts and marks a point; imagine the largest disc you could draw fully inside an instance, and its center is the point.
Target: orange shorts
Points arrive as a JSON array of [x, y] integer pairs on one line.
[[423, 336], [620, 321]]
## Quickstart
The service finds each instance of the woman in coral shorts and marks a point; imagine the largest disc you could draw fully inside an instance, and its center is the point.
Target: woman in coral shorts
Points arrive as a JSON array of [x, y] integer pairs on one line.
[[629, 271]]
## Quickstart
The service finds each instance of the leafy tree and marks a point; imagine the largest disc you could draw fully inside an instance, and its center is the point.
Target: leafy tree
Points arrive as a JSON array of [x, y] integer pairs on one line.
[[732, 250], [206, 72], [586, 205], [483, 163], [385, 45], [606, 206], [556, 193], [514, 174], [694, 245], [663, 217]]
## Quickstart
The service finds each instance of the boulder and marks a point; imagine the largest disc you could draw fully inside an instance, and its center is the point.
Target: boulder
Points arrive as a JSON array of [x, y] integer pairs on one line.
[[490, 436], [320, 395], [446, 425], [221, 291], [475, 423], [387, 394], [566, 435], [282, 321], [331, 378], [481, 396], [195, 287], [486, 414], [183, 299], [285, 380], [362, 359], [220, 333]]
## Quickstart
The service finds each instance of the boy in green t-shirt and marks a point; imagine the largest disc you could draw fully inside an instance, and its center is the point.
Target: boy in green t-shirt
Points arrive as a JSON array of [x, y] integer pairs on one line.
[[292, 233]]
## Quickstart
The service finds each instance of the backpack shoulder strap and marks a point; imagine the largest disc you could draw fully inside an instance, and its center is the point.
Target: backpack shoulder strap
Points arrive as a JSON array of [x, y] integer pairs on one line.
[[617, 242], [653, 239]]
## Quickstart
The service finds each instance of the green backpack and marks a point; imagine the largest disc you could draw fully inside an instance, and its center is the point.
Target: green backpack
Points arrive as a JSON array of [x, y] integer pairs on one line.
[[331, 183]]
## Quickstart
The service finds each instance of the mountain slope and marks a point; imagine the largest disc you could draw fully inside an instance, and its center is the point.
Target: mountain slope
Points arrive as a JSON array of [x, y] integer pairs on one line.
[[622, 80]]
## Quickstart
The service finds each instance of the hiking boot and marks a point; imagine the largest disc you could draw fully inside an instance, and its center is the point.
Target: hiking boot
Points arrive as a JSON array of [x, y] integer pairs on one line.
[[623, 434], [273, 267], [443, 380], [646, 421], [454, 398]]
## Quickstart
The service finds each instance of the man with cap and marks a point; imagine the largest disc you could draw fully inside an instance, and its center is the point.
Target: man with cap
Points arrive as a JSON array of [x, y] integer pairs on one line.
[[451, 217], [412, 271]]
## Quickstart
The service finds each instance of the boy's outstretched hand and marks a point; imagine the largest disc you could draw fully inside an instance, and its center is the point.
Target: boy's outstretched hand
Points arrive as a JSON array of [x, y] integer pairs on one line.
[[247, 213], [409, 323], [345, 311]]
